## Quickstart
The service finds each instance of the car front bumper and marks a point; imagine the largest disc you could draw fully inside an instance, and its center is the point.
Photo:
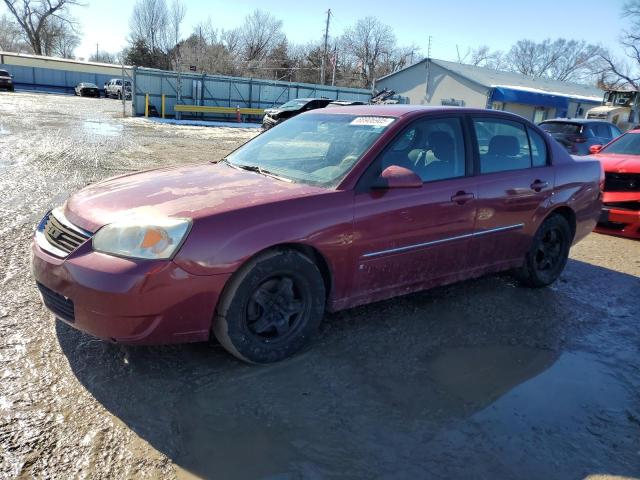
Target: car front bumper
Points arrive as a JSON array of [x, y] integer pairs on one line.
[[624, 223], [127, 301], [619, 214]]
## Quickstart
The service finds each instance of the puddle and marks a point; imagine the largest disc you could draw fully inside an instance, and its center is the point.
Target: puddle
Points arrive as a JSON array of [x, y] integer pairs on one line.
[[97, 127], [3, 131], [564, 423]]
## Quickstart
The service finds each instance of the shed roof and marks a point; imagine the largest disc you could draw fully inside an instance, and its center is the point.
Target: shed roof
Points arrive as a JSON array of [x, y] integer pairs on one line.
[[490, 78]]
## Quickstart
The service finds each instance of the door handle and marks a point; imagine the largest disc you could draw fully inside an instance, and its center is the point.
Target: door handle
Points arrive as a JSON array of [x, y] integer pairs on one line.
[[462, 197], [538, 185]]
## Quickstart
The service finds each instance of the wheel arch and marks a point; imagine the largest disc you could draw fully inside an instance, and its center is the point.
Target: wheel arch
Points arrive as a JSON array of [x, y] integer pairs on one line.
[[313, 254], [568, 214]]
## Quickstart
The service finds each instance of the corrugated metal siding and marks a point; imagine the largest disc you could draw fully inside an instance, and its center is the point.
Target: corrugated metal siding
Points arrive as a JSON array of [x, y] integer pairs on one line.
[[217, 90]]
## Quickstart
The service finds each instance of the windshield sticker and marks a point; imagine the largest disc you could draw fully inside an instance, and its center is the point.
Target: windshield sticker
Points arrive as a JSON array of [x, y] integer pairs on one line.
[[372, 121]]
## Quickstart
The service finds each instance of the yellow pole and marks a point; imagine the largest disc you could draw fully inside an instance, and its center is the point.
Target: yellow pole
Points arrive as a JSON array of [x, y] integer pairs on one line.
[[146, 105], [163, 105]]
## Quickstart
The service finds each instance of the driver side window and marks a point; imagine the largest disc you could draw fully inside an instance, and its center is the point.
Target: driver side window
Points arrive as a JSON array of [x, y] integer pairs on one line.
[[433, 149]]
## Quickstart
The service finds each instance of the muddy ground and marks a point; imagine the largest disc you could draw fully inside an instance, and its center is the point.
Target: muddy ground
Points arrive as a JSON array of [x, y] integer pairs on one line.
[[478, 380]]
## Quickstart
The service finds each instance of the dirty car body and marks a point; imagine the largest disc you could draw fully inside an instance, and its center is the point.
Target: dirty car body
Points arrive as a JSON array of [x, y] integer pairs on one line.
[[389, 200], [621, 210]]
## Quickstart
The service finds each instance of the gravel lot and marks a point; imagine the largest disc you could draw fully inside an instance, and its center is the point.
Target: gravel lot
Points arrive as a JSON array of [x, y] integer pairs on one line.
[[482, 379]]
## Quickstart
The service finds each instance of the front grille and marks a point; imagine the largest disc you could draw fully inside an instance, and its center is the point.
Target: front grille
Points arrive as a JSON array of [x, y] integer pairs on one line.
[[60, 305], [61, 236], [631, 205], [617, 226], [621, 182]]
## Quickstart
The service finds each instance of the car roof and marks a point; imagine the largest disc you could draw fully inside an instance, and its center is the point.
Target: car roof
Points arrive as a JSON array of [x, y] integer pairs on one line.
[[307, 99], [580, 121], [401, 110]]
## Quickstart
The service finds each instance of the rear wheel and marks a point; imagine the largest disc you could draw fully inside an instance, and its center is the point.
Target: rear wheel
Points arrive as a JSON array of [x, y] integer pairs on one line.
[[548, 254], [271, 307]]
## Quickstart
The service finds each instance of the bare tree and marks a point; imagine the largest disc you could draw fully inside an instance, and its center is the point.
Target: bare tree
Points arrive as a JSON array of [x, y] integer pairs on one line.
[[259, 35], [11, 38], [59, 39], [149, 22], [561, 59], [37, 19], [369, 42], [617, 72], [104, 57]]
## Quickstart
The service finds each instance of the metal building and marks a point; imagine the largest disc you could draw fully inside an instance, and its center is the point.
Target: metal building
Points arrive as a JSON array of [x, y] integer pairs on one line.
[[438, 82]]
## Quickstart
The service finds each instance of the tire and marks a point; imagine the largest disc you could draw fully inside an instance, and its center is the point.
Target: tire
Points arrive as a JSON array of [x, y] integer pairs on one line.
[[271, 307], [548, 254]]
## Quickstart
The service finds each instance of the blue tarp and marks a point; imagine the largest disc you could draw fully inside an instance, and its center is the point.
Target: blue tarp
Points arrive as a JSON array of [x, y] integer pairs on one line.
[[508, 95]]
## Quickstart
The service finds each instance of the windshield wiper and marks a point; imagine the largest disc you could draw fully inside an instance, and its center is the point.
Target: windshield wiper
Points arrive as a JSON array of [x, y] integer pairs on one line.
[[258, 169]]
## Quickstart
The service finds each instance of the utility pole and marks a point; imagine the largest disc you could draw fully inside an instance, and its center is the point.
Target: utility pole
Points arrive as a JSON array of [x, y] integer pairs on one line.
[[97, 56], [324, 54], [335, 63], [426, 92]]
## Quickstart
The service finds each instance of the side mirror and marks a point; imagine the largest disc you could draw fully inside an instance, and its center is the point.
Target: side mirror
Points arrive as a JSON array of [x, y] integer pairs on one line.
[[595, 148], [395, 176]]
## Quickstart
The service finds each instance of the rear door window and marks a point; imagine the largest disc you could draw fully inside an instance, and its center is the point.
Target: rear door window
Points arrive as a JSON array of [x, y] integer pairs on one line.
[[538, 149], [502, 144]]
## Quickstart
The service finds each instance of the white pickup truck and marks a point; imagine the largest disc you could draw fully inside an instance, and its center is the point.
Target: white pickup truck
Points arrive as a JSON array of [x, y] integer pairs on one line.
[[113, 88]]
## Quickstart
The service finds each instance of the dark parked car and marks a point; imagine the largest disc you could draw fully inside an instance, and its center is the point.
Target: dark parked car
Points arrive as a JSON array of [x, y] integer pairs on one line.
[[332, 209], [578, 135], [6, 81], [274, 116], [87, 90]]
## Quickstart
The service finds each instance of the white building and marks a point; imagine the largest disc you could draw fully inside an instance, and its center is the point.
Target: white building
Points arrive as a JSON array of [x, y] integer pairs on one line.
[[438, 82]]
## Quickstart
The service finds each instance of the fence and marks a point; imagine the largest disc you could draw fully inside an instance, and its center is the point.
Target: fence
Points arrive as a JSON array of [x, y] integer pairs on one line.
[[56, 75], [222, 91]]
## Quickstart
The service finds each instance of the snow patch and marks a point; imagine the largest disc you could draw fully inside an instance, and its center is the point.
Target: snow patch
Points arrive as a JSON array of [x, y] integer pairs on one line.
[[203, 123]]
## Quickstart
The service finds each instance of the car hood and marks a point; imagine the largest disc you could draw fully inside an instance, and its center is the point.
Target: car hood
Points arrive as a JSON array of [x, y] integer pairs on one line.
[[184, 192], [618, 163]]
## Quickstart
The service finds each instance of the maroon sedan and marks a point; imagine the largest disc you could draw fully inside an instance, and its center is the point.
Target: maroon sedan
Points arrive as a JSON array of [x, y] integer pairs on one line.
[[332, 209]]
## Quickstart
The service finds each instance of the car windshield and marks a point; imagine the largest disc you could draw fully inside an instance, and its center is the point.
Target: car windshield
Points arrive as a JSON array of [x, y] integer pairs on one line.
[[627, 144], [293, 105], [4, 73], [316, 149], [561, 127], [89, 85]]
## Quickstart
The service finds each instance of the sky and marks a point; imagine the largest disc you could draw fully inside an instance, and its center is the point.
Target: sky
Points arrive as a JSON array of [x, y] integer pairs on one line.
[[453, 25]]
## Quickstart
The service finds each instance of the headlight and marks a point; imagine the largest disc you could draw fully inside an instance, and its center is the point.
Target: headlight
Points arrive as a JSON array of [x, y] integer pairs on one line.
[[142, 238]]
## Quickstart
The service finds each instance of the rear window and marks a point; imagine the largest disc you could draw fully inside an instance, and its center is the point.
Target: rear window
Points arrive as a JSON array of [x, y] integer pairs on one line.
[[4, 73], [561, 127]]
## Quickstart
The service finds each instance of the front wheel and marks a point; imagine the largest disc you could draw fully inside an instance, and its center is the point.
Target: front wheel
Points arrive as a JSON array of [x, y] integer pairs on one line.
[[271, 307], [548, 254]]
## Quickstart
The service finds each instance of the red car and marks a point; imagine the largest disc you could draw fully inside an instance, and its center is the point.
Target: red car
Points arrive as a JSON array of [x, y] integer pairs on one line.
[[332, 209], [621, 162]]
